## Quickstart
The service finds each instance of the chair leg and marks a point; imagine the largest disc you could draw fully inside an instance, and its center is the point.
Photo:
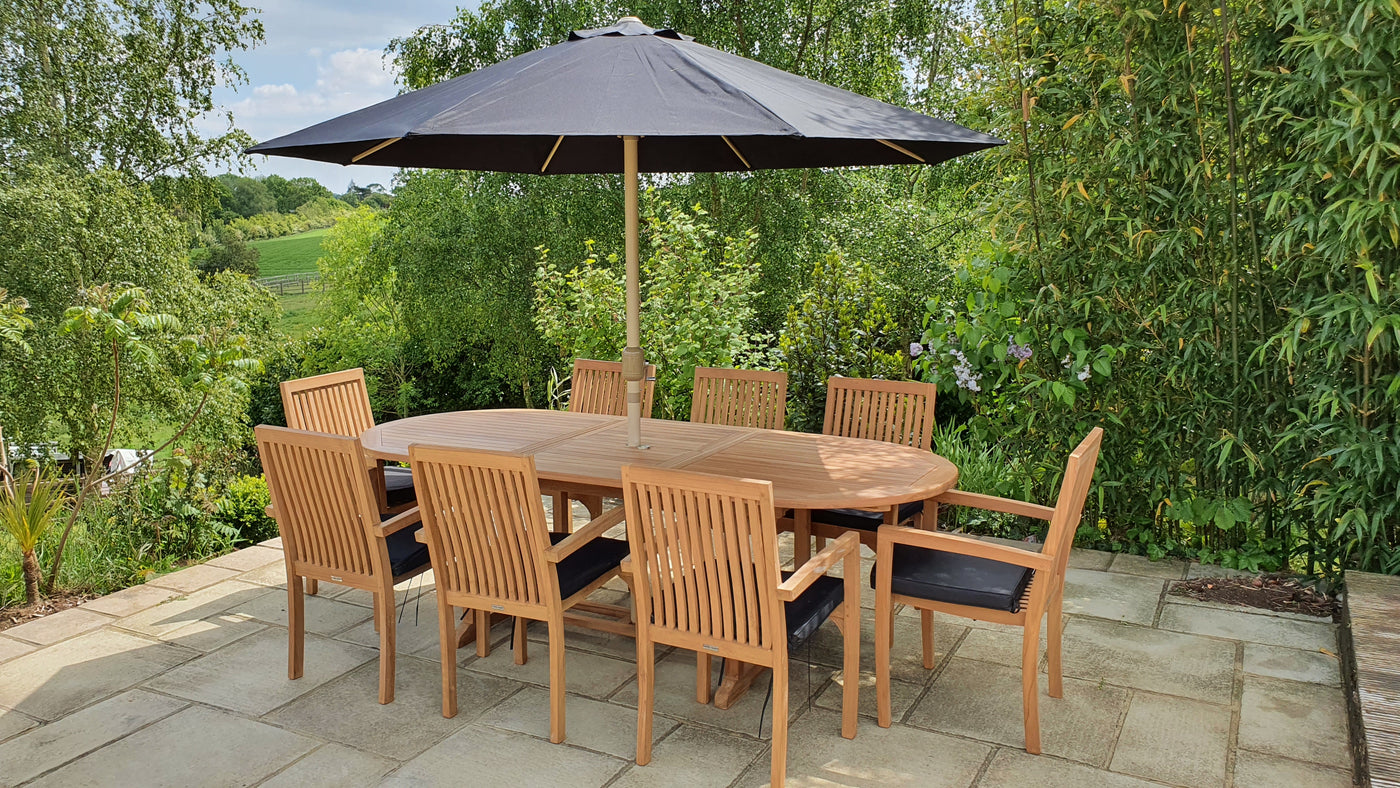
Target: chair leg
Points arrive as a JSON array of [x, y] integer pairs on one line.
[[593, 503], [884, 635], [296, 629], [563, 518], [483, 633], [850, 668], [926, 624], [702, 677], [646, 697], [780, 719], [801, 536], [1053, 635], [556, 680], [313, 586], [1030, 684], [385, 601], [518, 641], [447, 644]]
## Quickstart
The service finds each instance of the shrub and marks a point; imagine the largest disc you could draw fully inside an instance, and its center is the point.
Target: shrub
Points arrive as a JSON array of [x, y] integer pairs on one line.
[[242, 509]]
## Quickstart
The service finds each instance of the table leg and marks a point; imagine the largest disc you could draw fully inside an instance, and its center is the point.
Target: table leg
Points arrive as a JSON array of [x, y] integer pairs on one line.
[[738, 676]]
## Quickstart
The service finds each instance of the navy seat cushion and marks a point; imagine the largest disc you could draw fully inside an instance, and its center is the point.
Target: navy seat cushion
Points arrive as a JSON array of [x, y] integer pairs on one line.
[[862, 520], [406, 553], [956, 579], [588, 563], [807, 612], [398, 486]]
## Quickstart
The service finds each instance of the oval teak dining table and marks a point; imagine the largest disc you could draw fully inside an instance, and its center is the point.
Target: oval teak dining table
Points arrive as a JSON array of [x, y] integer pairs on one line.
[[586, 452]]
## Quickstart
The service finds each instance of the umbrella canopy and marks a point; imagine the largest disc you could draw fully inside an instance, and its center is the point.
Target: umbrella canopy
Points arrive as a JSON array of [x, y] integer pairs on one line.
[[629, 98]]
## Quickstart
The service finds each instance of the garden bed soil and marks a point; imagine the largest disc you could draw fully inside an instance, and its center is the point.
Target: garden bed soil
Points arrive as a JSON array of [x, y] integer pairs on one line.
[[14, 616], [1277, 592]]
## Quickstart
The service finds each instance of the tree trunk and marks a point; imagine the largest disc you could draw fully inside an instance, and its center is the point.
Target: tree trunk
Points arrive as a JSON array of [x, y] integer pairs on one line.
[[30, 564]]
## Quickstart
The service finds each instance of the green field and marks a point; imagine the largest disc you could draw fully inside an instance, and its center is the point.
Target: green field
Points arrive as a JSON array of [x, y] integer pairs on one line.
[[300, 314], [290, 254]]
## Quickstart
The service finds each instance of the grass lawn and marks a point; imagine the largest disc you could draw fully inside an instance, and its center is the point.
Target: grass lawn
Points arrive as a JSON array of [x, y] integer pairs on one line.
[[290, 254], [300, 314]]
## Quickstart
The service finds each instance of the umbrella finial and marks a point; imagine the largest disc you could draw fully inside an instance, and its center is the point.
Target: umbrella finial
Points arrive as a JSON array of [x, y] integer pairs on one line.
[[623, 19]]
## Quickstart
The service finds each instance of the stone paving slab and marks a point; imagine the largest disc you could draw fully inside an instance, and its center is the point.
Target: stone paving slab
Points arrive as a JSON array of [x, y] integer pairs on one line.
[[249, 559], [348, 710], [590, 724], [51, 746], [1166, 569], [323, 616], [250, 675], [585, 673], [212, 633], [197, 746], [1171, 663], [1016, 769], [194, 578], [1159, 729], [129, 601], [980, 701], [1253, 627], [1318, 667], [58, 626], [481, 755], [333, 766], [53, 682], [1257, 770], [167, 617], [13, 723], [693, 757], [1294, 719], [1117, 597], [10, 648], [895, 756]]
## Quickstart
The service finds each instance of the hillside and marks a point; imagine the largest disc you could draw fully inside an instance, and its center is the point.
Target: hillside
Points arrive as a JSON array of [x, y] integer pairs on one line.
[[290, 254]]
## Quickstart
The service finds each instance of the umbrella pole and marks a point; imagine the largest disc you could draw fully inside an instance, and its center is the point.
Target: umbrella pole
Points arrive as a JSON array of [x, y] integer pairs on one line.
[[633, 365]]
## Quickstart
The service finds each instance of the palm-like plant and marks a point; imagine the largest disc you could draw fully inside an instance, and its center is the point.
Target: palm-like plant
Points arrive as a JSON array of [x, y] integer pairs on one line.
[[29, 505]]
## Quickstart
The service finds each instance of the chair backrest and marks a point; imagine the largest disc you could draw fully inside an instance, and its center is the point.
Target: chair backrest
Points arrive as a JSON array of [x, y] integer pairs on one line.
[[336, 403], [739, 397], [485, 524], [1074, 489], [598, 387], [324, 503], [704, 555], [895, 411]]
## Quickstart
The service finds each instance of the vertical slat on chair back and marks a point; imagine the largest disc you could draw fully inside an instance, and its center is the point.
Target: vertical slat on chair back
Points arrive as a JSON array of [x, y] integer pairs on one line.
[[739, 397], [1074, 489], [484, 522], [895, 411], [323, 500], [598, 387], [336, 403], [704, 553]]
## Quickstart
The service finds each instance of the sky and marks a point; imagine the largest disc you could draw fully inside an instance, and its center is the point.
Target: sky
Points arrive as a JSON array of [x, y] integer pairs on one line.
[[321, 58]]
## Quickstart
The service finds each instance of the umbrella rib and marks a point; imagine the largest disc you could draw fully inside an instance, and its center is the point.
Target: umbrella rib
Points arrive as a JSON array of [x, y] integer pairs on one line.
[[747, 166], [377, 148], [905, 151], [550, 157]]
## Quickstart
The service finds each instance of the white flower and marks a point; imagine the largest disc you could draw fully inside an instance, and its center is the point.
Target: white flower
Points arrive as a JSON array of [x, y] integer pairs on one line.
[[1084, 373], [915, 350]]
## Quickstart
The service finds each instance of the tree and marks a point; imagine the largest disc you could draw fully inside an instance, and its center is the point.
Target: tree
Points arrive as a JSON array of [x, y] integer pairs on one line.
[[294, 193], [231, 253], [246, 197], [29, 506], [122, 86]]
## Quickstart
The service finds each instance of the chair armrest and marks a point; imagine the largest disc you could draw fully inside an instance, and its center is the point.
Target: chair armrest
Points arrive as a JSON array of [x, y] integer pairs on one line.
[[399, 522], [584, 535], [994, 504], [626, 566], [952, 543], [818, 565]]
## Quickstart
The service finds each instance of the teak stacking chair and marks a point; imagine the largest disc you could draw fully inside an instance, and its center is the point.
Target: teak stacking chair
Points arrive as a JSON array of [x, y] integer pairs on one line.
[[705, 577], [338, 403], [739, 397], [332, 531], [960, 576], [598, 387], [893, 411], [491, 552]]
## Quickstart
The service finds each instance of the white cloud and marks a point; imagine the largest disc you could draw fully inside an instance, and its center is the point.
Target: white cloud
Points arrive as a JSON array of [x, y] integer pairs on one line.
[[346, 80]]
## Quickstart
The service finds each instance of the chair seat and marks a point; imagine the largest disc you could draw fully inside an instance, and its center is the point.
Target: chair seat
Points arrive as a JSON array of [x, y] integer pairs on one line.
[[807, 612], [862, 520], [957, 579], [398, 486], [588, 563], [406, 553]]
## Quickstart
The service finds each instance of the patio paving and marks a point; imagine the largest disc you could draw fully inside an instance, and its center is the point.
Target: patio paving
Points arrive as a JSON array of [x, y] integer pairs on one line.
[[183, 682]]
